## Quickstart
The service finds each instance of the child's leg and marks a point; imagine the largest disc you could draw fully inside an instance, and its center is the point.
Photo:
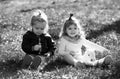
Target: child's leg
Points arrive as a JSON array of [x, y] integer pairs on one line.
[[27, 61], [69, 59], [36, 62], [106, 60]]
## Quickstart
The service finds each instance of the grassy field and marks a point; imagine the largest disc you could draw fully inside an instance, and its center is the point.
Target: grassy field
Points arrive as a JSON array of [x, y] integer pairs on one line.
[[99, 18]]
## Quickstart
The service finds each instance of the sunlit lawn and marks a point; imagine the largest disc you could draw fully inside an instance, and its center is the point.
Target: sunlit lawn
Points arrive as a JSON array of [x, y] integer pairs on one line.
[[99, 18]]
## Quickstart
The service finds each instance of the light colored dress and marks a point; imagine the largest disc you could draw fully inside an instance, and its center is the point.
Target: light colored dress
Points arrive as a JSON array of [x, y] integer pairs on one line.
[[75, 50]]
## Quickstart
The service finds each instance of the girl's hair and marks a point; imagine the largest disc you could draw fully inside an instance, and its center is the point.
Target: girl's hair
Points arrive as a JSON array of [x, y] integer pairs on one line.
[[72, 21], [40, 16]]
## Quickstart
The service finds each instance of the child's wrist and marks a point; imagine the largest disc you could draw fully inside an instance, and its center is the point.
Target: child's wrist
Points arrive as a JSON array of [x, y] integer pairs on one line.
[[33, 48]]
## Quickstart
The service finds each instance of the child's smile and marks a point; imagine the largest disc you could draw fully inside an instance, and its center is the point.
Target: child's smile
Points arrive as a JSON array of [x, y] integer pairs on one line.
[[72, 30]]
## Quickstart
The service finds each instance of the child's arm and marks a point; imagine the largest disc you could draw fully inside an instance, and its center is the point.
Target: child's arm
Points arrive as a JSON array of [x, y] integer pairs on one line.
[[27, 46], [51, 47], [61, 47]]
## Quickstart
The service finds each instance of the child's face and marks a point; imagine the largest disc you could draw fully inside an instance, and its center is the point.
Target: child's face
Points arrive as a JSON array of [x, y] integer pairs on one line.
[[39, 27], [72, 30]]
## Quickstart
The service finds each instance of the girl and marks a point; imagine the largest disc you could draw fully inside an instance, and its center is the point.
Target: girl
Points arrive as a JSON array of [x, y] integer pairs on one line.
[[37, 42], [72, 43]]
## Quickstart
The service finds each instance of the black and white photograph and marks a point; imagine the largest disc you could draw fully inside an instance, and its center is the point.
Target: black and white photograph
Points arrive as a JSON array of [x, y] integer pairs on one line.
[[59, 39]]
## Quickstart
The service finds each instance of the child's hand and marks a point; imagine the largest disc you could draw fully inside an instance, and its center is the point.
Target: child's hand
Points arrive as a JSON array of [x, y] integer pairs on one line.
[[98, 54], [37, 47]]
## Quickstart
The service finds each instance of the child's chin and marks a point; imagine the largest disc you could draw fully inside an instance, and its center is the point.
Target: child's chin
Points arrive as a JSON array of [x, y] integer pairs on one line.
[[72, 36], [38, 33]]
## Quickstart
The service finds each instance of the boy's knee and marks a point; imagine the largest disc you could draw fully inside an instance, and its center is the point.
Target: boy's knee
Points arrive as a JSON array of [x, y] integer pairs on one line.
[[27, 61], [36, 62], [37, 58], [28, 57]]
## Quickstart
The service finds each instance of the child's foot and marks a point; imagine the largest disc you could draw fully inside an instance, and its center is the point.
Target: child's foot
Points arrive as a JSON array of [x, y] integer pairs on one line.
[[80, 65], [108, 60]]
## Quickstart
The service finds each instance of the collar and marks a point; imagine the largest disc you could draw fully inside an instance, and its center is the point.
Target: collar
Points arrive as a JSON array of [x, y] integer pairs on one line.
[[71, 40]]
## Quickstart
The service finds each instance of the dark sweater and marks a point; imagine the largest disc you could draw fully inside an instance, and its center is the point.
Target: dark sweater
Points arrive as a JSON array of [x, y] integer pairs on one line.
[[30, 39]]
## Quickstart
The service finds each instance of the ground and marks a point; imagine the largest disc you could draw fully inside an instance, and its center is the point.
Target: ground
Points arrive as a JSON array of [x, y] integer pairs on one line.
[[99, 18]]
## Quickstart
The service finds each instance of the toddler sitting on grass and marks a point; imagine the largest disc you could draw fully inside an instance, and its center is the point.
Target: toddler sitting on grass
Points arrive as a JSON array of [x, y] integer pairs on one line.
[[72, 39], [37, 43]]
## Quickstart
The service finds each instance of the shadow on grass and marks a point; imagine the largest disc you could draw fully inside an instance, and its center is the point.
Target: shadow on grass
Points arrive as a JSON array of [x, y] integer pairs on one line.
[[9, 68], [115, 26], [58, 63]]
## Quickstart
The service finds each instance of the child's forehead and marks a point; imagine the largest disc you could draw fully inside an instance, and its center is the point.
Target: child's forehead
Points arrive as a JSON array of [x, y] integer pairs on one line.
[[73, 25], [39, 22]]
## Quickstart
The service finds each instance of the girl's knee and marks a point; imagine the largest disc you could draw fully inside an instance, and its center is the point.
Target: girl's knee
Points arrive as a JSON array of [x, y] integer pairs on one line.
[[70, 60]]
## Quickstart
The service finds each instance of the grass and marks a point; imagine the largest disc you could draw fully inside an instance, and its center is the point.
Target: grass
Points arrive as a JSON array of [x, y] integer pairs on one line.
[[99, 18]]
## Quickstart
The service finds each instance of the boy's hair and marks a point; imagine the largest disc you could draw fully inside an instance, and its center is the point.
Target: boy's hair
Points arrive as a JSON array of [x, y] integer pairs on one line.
[[39, 16], [72, 21], [36, 19]]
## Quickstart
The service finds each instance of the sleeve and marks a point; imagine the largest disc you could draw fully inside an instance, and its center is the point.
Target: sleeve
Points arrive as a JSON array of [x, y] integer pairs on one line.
[[26, 45], [62, 47], [51, 45]]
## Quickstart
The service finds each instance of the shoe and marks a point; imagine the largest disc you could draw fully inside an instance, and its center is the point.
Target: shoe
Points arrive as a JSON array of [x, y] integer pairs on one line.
[[80, 65], [108, 60]]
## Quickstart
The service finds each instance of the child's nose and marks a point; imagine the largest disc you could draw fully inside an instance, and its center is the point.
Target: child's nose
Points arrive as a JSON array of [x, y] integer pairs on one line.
[[72, 29]]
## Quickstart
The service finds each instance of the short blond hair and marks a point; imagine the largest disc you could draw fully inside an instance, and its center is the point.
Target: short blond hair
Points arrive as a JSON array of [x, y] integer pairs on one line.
[[40, 16]]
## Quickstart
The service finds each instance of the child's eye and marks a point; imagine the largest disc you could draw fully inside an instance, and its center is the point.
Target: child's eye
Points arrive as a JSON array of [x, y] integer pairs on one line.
[[69, 28], [42, 28], [75, 28]]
